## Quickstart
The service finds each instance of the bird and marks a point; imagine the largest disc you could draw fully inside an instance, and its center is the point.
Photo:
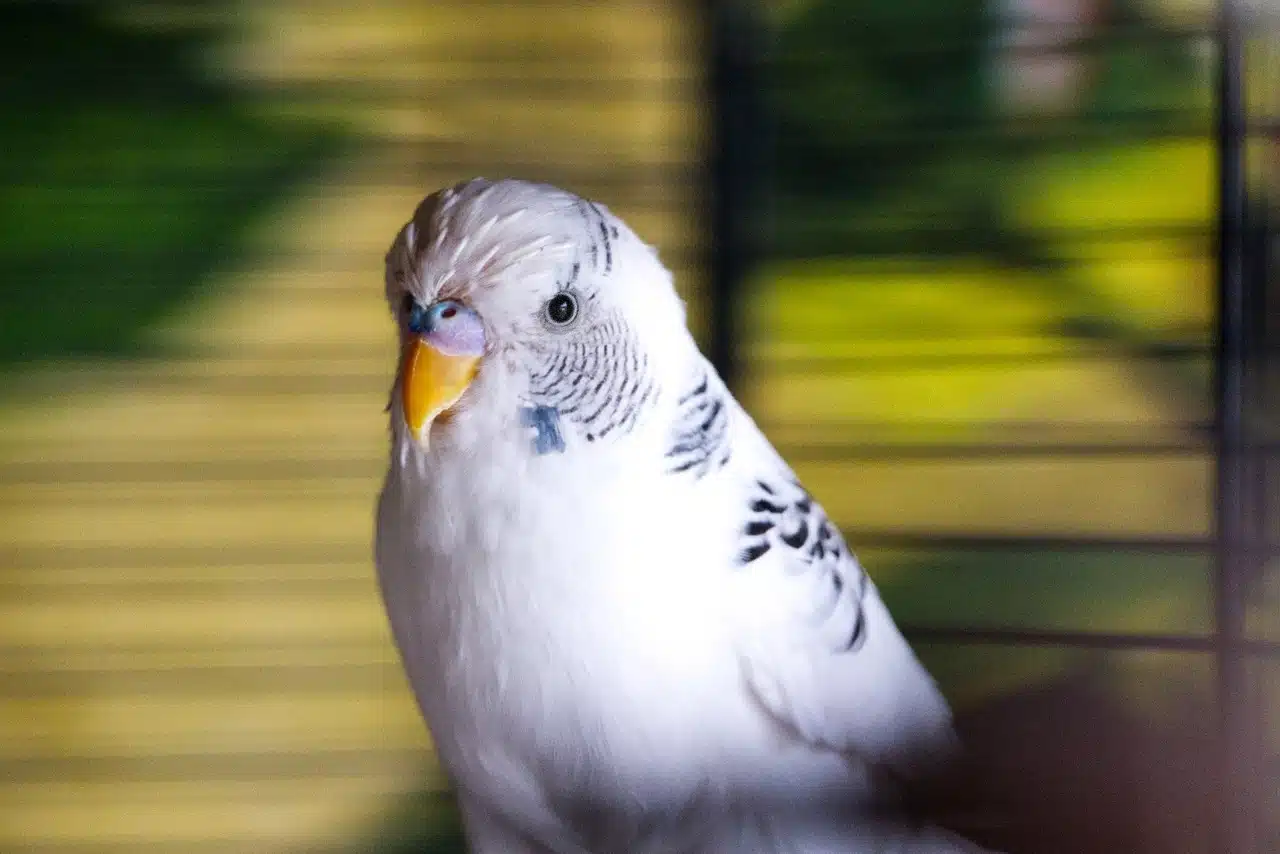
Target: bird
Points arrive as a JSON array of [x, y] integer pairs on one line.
[[626, 623]]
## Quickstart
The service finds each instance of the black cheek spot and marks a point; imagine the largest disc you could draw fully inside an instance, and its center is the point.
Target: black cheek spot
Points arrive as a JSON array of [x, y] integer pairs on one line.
[[758, 528], [752, 552]]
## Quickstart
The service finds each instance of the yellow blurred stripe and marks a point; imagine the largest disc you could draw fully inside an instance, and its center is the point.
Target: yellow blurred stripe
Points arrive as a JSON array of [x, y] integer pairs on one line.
[[255, 815], [184, 720], [1134, 497], [235, 618]]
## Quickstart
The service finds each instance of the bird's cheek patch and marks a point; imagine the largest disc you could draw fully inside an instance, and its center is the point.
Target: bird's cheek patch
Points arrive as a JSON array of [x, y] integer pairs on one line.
[[546, 421]]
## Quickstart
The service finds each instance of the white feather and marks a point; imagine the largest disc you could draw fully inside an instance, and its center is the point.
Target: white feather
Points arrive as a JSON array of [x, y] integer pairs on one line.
[[597, 671]]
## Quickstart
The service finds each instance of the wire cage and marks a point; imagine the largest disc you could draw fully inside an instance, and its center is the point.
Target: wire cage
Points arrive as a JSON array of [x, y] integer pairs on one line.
[[945, 162]]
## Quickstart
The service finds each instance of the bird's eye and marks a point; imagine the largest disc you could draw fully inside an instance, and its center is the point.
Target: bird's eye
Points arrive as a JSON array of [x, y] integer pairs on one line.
[[562, 309], [407, 303]]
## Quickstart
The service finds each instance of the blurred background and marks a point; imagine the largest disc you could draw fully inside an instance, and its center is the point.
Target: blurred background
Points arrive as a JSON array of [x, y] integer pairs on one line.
[[959, 258]]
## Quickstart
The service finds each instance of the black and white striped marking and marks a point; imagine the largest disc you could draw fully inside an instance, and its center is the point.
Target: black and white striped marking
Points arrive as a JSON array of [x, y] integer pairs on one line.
[[700, 436], [599, 380], [783, 517], [601, 234]]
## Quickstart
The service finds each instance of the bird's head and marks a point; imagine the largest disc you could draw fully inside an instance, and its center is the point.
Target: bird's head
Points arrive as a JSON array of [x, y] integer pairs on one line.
[[520, 305]]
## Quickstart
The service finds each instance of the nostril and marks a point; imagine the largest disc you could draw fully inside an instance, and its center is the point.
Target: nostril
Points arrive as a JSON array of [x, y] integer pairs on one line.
[[417, 319]]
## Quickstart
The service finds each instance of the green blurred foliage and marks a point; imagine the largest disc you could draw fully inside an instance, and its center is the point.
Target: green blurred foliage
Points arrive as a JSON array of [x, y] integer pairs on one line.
[[128, 176], [424, 822], [890, 138], [864, 89]]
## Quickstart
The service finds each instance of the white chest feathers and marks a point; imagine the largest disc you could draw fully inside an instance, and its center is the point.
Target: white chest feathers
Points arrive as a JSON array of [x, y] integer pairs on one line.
[[573, 629]]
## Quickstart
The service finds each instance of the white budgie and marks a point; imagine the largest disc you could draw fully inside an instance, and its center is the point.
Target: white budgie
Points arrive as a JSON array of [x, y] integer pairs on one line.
[[628, 626]]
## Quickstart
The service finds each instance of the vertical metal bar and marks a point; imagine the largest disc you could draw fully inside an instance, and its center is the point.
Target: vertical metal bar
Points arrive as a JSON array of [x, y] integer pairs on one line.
[[1260, 411], [1266, 383], [1229, 505], [736, 166], [1266, 309]]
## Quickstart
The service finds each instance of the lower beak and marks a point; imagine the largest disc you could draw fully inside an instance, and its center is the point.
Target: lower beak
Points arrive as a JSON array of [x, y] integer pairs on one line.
[[431, 381]]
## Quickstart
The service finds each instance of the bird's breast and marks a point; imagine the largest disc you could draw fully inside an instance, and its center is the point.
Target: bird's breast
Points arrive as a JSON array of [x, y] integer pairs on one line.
[[574, 626]]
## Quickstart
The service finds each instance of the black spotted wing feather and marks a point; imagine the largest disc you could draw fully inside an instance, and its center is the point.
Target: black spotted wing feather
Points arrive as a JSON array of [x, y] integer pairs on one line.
[[820, 651], [781, 517]]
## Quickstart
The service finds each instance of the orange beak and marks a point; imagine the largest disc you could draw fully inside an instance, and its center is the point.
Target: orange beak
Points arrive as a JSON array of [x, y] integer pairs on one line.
[[431, 382]]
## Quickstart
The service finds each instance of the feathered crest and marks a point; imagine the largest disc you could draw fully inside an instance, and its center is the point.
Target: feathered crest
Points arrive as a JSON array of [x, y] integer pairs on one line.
[[472, 233]]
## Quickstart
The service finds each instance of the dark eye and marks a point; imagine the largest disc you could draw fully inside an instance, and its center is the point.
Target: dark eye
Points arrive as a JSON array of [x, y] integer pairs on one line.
[[562, 309], [407, 303]]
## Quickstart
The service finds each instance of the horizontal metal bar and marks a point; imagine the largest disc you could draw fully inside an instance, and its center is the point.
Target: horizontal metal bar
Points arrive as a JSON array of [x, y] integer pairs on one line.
[[1083, 640], [190, 681], [1119, 350], [318, 649], [286, 586], [1098, 233], [1019, 133], [871, 428], [66, 556], [958, 541], [964, 451], [206, 844], [912, 42], [284, 384], [207, 767], [135, 471]]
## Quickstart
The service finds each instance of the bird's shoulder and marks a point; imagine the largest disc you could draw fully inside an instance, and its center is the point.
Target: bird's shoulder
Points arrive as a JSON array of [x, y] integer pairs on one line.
[[820, 649], [777, 524]]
